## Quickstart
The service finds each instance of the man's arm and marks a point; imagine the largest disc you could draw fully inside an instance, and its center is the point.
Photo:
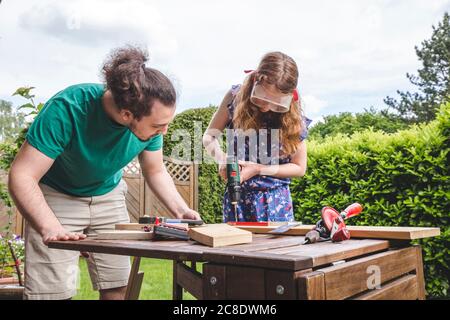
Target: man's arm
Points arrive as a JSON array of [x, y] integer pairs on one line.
[[26, 171], [161, 183]]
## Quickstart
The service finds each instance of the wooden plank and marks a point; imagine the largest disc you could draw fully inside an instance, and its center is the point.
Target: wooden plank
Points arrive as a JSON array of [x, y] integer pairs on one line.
[[323, 253], [136, 290], [295, 231], [133, 192], [177, 243], [245, 283], [132, 205], [344, 250], [133, 217], [311, 286], [177, 290], [258, 259], [358, 274], [132, 202], [374, 232], [134, 281], [141, 226], [132, 226], [148, 249], [148, 201], [133, 189], [282, 285], [419, 273], [11, 292], [184, 192], [132, 212], [190, 280], [190, 250], [269, 242], [132, 208], [219, 235], [404, 288], [400, 233], [122, 235], [214, 282], [142, 211], [20, 223], [194, 185]]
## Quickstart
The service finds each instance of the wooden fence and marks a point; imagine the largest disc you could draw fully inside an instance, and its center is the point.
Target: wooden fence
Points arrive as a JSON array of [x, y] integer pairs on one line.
[[142, 201]]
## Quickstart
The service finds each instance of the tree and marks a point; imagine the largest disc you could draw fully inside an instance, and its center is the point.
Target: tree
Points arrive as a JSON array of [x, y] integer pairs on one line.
[[11, 122], [348, 123], [9, 148], [432, 80]]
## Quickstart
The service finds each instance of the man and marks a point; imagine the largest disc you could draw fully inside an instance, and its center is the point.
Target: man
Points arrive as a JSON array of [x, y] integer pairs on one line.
[[66, 178]]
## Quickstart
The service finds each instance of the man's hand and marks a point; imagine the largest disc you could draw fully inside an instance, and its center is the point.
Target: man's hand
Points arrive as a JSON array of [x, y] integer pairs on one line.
[[189, 214], [59, 233]]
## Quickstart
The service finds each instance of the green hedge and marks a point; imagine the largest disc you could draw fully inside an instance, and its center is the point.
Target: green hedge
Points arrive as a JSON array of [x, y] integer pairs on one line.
[[401, 179], [211, 186]]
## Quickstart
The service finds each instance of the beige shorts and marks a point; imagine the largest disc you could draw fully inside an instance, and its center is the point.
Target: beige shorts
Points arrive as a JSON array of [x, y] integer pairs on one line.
[[54, 273]]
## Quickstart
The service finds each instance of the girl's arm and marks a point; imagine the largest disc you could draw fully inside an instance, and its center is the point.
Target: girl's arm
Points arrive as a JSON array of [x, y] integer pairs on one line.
[[215, 129], [296, 168]]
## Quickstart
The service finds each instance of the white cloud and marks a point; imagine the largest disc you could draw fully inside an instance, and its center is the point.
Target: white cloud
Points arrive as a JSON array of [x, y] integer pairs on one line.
[[98, 23], [312, 105], [350, 53]]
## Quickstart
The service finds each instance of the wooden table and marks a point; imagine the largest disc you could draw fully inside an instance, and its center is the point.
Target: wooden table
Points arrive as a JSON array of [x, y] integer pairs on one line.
[[278, 267]]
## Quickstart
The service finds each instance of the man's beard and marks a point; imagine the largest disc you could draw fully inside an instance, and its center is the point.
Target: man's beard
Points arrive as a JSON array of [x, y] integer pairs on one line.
[[132, 128]]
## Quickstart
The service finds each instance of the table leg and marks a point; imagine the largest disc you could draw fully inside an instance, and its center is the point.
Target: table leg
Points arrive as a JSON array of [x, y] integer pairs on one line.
[[420, 275], [134, 281], [177, 293]]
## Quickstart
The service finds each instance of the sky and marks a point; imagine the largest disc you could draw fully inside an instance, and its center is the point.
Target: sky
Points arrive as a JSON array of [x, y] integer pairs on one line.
[[350, 53]]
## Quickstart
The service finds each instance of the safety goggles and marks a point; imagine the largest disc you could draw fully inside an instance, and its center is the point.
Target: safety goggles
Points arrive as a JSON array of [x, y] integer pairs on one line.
[[276, 103]]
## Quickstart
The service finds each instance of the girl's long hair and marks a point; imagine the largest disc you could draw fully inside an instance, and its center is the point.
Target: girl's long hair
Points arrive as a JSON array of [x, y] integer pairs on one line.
[[278, 69]]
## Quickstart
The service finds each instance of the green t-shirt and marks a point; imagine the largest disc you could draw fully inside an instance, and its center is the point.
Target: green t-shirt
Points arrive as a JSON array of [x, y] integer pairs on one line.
[[89, 148]]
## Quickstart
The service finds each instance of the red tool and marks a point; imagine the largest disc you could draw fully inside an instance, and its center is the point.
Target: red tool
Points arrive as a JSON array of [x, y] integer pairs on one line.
[[332, 226]]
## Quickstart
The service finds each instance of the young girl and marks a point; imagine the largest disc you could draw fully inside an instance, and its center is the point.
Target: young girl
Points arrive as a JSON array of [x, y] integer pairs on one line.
[[268, 99]]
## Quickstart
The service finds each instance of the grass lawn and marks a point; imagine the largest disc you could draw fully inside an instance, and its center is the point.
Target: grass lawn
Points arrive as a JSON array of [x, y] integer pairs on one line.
[[157, 284]]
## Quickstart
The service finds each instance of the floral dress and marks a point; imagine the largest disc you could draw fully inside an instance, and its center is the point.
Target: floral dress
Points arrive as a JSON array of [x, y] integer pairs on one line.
[[263, 198]]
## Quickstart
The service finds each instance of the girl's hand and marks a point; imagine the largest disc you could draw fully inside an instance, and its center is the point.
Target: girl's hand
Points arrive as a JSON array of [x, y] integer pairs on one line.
[[223, 171], [249, 170]]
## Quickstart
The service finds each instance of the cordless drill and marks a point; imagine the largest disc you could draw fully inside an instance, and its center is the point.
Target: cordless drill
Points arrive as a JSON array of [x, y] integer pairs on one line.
[[332, 226], [233, 183]]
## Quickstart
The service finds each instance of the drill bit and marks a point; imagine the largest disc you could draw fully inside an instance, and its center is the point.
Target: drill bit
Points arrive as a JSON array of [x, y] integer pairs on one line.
[[311, 237]]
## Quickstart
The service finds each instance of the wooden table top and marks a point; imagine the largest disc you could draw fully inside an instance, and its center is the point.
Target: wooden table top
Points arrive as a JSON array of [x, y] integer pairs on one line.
[[268, 251]]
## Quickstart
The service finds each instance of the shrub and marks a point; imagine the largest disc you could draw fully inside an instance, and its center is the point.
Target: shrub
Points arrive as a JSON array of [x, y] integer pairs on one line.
[[402, 179], [210, 185]]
